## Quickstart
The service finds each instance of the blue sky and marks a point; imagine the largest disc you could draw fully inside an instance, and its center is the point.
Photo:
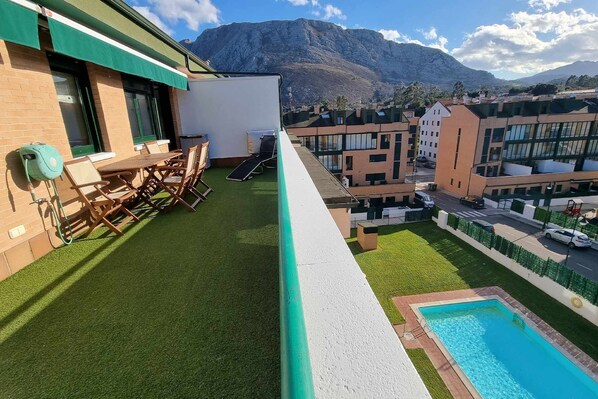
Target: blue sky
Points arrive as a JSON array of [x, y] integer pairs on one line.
[[510, 38]]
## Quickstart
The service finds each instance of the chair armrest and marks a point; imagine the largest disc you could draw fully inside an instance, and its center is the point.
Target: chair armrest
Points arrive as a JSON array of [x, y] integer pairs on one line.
[[118, 174], [95, 183], [171, 168]]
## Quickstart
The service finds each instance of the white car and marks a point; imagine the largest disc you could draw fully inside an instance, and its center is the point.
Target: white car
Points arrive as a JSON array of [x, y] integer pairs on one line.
[[574, 239]]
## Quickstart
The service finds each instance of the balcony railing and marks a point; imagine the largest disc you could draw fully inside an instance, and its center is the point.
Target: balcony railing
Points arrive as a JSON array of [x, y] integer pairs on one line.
[[336, 340]]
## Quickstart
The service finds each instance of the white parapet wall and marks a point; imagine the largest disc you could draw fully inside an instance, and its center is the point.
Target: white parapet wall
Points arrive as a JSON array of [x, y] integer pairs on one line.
[[227, 108], [353, 349], [568, 298]]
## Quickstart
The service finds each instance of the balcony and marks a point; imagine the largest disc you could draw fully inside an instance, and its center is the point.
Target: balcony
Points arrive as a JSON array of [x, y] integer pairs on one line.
[[184, 305]]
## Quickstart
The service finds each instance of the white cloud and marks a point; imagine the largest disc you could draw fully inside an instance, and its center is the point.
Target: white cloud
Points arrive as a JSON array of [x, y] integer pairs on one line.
[[153, 18], [546, 4], [440, 44], [303, 2], [192, 12], [331, 11], [396, 36], [431, 34], [517, 47]]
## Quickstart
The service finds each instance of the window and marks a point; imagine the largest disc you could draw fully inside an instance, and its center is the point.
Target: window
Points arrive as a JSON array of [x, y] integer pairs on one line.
[[516, 151], [369, 118], [519, 191], [340, 120], [75, 101], [480, 170], [459, 184], [498, 134], [494, 154], [142, 107], [457, 150], [451, 181], [434, 155], [384, 141], [494, 192], [349, 163], [331, 162], [378, 158], [505, 191], [364, 141], [331, 142], [558, 188], [435, 145], [436, 134], [374, 177], [487, 133], [309, 142], [544, 149], [519, 132], [570, 148], [535, 190]]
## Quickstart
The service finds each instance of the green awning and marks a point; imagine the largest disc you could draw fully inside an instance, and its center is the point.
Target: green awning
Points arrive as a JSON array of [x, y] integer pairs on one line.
[[18, 23], [78, 41]]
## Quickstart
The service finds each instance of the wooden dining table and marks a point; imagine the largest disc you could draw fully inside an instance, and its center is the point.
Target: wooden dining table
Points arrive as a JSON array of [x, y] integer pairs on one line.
[[146, 162]]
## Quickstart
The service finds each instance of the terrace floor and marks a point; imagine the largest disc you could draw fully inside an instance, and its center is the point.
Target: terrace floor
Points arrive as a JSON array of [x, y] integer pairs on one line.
[[183, 305]]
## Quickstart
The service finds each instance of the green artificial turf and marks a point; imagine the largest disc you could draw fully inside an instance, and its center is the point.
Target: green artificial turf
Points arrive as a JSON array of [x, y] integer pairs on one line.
[[420, 258], [183, 305], [429, 375]]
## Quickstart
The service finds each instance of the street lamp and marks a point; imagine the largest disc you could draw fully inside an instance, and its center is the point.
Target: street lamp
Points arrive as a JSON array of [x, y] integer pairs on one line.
[[582, 223], [547, 199]]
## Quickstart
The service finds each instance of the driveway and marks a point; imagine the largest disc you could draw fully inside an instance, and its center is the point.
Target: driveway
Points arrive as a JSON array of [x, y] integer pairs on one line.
[[525, 234]]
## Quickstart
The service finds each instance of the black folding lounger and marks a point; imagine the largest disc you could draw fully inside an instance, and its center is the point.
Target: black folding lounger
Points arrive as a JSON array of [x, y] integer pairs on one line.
[[246, 170]]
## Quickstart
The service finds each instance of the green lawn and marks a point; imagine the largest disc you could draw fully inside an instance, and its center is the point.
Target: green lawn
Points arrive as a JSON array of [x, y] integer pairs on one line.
[[420, 258], [184, 305]]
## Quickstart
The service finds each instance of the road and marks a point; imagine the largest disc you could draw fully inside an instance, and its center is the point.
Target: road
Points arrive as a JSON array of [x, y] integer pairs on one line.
[[523, 233]]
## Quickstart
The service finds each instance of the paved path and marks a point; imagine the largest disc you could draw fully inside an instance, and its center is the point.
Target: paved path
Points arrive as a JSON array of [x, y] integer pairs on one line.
[[524, 233]]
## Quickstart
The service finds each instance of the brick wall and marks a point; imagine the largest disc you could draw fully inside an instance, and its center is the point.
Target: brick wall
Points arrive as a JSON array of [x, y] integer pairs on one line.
[[29, 111]]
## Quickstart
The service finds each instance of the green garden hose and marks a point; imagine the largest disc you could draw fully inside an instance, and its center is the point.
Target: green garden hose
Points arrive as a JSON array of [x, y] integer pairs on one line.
[[55, 214]]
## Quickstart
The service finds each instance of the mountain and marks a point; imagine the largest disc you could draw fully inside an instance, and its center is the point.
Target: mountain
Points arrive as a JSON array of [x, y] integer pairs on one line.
[[322, 60], [562, 73]]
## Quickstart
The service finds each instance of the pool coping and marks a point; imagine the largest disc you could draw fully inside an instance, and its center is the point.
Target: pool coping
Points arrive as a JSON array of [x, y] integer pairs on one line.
[[415, 334]]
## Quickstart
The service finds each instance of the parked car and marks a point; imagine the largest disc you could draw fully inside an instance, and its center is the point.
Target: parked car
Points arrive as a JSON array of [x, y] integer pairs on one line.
[[430, 165], [473, 201], [489, 227], [421, 158], [423, 199], [574, 239]]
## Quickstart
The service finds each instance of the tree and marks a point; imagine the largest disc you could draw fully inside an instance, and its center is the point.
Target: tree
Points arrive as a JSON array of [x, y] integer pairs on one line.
[[341, 103], [458, 89], [544, 88]]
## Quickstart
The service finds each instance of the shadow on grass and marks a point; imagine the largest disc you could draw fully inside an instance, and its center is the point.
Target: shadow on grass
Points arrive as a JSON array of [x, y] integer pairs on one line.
[[185, 306]]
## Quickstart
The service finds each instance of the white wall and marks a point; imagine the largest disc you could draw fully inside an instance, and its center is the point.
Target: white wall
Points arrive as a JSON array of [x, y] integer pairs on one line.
[[227, 108], [429, 127], [513, 169], [588, 164], [549, 166], [354, 351]]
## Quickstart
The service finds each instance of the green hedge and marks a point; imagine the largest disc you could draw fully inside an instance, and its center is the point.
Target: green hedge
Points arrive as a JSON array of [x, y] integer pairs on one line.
[[555, 271], [517, 206]]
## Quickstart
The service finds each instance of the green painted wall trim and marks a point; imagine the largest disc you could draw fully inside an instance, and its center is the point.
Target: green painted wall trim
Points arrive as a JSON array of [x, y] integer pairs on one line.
[[18, 24], [296, 374], [74, 43]]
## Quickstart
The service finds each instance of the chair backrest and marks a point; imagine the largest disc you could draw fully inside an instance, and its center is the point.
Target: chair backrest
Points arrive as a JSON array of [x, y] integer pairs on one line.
[[82, 171], [191, 161], [152, 147], [203, 154], [268, 145]]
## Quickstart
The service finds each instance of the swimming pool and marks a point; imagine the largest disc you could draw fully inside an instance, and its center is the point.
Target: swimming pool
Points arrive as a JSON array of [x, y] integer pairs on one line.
[[502, 356]]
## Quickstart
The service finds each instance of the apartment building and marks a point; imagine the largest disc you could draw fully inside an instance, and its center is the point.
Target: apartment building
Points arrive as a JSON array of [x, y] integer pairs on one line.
[[429, 130], [518, 149], [370, 150], [89, 78]]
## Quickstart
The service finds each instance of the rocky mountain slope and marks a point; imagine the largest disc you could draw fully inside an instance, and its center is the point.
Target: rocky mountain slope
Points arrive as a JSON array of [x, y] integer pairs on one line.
[[322, 60], [562, 73]]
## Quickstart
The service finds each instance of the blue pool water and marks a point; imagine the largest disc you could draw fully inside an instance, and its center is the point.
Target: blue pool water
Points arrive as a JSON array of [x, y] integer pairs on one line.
[[502, 356]]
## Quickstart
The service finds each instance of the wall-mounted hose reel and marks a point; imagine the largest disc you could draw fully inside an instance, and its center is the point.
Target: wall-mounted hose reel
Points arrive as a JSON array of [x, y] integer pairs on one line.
[[43, 162]]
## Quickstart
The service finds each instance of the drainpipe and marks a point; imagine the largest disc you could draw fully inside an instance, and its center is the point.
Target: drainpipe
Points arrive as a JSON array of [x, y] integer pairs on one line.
[[237, 73]]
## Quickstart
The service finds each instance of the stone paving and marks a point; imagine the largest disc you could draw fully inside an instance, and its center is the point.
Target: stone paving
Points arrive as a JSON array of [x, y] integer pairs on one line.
[[414, 334]]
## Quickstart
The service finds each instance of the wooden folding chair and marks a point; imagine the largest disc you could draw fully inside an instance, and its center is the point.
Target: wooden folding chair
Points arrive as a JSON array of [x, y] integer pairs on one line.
[[177, 180], [202, 163], [98, 199]]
